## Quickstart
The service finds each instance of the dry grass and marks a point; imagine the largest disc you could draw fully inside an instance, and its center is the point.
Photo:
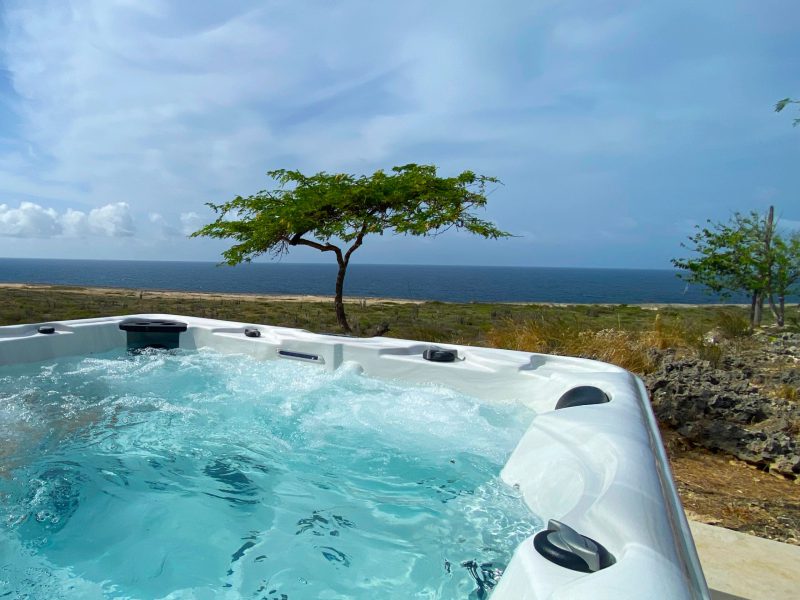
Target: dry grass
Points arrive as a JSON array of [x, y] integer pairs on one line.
[[624, 348], [631, 344], [676, 332], [788, 392], [631, 349]]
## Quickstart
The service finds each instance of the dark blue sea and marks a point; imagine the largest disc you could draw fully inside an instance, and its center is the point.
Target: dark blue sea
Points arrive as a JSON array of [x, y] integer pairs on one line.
[[444, 283]]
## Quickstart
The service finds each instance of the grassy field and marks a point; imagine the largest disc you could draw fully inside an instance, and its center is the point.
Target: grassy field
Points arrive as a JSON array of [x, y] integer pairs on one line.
[[620, 334]]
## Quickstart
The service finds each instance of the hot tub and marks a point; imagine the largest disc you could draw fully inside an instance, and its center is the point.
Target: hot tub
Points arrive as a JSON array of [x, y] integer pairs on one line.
[[589, 463]]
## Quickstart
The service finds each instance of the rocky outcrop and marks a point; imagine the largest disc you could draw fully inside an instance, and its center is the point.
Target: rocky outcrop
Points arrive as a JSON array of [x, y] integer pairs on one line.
[[733, 405]]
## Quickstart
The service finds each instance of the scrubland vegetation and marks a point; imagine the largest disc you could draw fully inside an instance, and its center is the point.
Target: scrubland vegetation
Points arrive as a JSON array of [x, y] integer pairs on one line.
[[620, 334]]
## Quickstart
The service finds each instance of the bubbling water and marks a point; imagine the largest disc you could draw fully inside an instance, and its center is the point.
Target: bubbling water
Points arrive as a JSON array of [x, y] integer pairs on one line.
[[202, 475]]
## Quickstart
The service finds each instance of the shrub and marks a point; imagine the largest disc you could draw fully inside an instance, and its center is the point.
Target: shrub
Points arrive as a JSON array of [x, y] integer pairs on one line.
[[672, 333], [733, 324], [712, 353]]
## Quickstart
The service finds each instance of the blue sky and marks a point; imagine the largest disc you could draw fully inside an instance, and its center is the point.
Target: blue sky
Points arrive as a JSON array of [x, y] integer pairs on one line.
[[615, 126]]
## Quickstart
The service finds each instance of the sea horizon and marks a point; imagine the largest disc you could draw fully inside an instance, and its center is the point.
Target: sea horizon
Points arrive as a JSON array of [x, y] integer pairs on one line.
[[328, 263], [447, 283]]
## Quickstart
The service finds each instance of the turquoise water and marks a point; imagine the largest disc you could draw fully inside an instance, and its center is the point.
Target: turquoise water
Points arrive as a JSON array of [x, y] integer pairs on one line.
[[202, 475]]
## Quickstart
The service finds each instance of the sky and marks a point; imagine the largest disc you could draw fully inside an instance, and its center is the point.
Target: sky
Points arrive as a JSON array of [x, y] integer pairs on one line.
[[615, 127]]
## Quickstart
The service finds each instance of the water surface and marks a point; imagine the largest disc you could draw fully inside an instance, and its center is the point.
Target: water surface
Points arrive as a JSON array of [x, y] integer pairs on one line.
[[444, 283], [201, 475]]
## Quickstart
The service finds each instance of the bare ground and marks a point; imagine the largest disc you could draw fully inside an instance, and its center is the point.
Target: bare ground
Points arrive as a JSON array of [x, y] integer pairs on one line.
[[720, 490]]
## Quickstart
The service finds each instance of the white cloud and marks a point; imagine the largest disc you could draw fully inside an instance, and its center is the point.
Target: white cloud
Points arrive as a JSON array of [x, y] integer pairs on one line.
[[166, 110], [112, 220], [30, 220], [75, 223], [152, 105]]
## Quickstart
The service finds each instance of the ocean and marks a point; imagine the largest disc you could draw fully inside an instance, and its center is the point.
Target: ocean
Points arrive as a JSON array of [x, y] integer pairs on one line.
[[417, 282]]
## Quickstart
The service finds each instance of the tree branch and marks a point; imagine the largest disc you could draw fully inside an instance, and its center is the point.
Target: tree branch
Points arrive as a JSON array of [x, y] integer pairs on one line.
[[297, 240], [357, 243]]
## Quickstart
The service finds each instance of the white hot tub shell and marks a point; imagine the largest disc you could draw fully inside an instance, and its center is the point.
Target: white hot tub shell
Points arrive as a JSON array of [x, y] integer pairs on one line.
[[600, 469]]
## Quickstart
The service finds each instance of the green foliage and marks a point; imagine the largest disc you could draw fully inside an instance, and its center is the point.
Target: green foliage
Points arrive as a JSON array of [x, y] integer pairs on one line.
[[787, 263], [320, 209], [730, 256], [747, 254], [781, 104]]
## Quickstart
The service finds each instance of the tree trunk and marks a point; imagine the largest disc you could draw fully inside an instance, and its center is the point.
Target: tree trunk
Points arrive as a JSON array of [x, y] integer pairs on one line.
[[781, 310], [778, 313], [343, 259], [759, 309], [338, 301], [753, 302], [769, 230]]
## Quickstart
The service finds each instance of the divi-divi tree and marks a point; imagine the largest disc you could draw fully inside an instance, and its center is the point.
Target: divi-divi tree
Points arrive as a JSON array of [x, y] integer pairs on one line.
[[336, 212]]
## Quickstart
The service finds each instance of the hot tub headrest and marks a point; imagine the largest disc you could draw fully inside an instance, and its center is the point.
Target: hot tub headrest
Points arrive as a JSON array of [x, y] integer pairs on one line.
[[152, 333], [152, 326], [583, 395]]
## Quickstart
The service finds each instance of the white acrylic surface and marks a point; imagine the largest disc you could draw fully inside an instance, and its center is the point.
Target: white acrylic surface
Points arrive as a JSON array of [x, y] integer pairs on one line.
[[601, 469]]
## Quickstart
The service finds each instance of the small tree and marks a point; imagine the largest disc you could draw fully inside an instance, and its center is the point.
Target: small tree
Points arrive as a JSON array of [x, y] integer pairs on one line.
[[727, 261], [335, 212], [745, 255]]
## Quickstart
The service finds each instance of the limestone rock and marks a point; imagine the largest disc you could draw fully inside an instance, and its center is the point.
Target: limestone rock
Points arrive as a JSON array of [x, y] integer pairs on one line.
[[726, 407]]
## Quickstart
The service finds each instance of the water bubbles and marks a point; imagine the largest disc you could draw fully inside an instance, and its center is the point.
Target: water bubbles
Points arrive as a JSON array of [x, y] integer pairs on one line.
[[169, 474], [46, 516]]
